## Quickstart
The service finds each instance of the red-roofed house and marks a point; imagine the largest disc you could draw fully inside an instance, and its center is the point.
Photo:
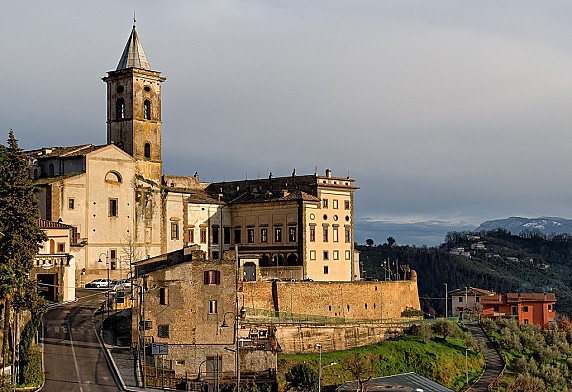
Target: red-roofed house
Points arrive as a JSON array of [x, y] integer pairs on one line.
[[527, 308]]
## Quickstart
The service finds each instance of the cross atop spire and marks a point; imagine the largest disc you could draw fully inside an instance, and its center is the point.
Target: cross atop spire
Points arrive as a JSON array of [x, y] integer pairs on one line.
[[133, 55]]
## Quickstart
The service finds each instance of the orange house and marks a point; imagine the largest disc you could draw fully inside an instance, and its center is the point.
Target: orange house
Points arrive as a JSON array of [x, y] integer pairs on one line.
[[527, 308]]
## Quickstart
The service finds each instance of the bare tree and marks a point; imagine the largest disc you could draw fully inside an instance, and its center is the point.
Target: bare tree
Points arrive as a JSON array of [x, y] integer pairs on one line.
[[361, 369]]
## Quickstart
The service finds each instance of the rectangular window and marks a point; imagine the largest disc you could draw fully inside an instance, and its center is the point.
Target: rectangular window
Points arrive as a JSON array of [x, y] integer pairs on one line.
[[312, 233], [336, 255], [326, 255], [174, 230], [325, 203], [348, 235], [264, 235], [335, 204], [71, 203], [477, 299], [460, 299], [213, 306], [112, 207], [250, 235], [526, 321], [495, 308], [525, 309], [325, 228], [203, 235], [214, 230], [335, 234], [277, 234], [348, 255], [61, 247], [292, 234], [226, 235], [237, 233], [191, 236], [212, 277], [163, 330], [514, 310], [163, 296], [312, 255], [215, 254], [326, 270], [346, 204], [113, 257]]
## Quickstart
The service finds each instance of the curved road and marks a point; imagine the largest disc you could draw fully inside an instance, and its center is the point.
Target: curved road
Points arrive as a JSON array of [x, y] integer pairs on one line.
[[493, 361], [73, 357]]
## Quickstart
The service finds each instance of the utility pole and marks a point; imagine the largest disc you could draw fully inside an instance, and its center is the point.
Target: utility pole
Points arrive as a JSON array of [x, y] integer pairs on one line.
[[446, 302]]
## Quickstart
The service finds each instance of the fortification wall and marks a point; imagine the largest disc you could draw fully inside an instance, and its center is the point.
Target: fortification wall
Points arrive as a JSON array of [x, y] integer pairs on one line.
[[376, 301], [303, 338]]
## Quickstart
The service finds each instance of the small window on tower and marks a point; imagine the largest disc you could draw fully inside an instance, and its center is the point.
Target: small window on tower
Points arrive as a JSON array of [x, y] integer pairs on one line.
[[147, 150], [120, 109], [147, 109], [147, 88]]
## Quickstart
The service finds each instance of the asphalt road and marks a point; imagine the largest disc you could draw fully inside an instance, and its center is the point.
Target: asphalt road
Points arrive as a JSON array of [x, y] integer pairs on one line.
[[73, 357]]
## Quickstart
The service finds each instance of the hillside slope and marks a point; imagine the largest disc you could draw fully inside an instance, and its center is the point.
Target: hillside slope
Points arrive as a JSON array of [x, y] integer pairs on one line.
[[529, 262]]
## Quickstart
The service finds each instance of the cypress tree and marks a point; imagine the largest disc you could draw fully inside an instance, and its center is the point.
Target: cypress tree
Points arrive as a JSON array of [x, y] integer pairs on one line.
[[20, 233]]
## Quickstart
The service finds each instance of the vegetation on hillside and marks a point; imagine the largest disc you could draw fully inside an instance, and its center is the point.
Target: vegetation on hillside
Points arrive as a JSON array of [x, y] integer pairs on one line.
[[536, 360], [528, 262], [435, 351], [20, 237]]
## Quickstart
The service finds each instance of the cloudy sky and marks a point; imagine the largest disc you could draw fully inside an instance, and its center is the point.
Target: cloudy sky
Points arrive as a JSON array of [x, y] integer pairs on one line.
[[447, 113]]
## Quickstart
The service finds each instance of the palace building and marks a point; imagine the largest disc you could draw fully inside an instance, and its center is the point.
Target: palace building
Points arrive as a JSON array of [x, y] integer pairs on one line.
[[123, 209]]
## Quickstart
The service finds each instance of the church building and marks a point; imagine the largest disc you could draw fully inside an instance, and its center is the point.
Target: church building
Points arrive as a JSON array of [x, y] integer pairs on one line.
[[123, 209]]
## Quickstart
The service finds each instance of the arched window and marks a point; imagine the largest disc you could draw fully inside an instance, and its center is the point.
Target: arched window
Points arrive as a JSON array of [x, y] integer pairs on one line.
[[113, 177], [51, 170], [147, 150], [120, 109], [147, 110]]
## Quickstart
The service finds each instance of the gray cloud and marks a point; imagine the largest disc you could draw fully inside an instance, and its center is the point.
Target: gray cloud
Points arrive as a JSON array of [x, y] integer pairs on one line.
[[441, 111]]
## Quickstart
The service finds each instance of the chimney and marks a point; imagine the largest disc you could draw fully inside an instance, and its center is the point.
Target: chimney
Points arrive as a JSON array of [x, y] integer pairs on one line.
[[329, 173]]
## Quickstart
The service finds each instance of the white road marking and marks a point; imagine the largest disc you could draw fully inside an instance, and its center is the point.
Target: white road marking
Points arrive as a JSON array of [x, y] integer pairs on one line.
[[74, 358]]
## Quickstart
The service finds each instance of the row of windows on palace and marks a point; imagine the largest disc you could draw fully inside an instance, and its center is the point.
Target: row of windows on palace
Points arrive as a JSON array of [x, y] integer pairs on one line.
[[325, 204], [250, 234]]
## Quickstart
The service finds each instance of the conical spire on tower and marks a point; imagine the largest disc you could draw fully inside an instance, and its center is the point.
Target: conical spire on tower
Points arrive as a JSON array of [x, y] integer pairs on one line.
[[133, 55]]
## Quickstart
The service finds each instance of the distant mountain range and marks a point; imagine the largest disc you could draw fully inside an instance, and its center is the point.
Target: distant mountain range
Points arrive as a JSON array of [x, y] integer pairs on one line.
[[515, 224], [432, 233]]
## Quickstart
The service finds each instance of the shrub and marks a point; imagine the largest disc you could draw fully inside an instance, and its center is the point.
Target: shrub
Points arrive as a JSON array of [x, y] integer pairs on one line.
[[424, 331], [445, 329], [411, 312], [32, 367]]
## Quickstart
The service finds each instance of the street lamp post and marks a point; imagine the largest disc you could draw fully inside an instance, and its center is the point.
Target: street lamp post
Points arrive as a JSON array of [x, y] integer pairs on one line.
[[241, 315], [107, 268], [319, 346], [467, 364]]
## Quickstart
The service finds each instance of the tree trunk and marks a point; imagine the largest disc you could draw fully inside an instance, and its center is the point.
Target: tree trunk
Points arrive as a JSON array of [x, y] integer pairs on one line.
[[7, 306]]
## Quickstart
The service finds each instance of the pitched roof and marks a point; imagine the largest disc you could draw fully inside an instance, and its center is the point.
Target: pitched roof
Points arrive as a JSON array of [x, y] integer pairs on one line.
[[397, 383], [265, 197], [511, 298], [63, 152], [471, 292], [47, 224], [133, 55]]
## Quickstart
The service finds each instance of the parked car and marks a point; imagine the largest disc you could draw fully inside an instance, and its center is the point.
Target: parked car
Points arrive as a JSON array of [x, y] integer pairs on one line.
[[99, 283], [121, 284]]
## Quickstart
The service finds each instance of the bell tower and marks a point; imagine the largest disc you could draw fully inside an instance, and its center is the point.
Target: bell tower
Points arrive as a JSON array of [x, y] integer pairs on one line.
[[134, 109]]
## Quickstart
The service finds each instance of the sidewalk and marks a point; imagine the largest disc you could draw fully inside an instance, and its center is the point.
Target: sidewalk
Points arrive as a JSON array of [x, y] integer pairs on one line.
[[494, 363], [122, 363]]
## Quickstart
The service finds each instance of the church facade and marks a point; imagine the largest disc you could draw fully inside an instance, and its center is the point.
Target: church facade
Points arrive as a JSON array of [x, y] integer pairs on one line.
[[124, 209]]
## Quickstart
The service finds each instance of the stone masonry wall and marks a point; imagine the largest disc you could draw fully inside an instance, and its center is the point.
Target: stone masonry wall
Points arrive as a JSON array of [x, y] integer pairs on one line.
[[376, 301]]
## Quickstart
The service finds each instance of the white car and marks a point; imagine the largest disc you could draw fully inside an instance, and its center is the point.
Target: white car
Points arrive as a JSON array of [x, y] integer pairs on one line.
[[98, 283]]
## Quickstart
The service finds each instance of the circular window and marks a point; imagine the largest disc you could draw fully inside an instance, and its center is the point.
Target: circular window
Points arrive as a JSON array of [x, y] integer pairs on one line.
[[347, 218], [335, 217], [147, 88], [312, 216], [120, 89], [325, 216]]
